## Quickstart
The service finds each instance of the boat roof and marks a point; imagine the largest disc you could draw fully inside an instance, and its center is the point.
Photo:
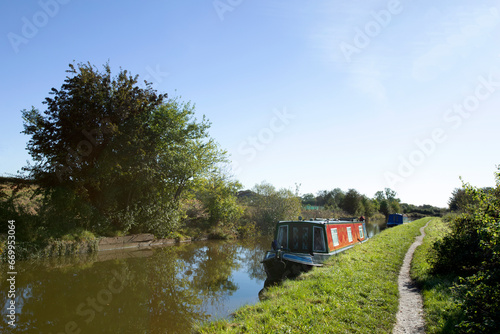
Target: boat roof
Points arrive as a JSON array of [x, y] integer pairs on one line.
[[323, 221]]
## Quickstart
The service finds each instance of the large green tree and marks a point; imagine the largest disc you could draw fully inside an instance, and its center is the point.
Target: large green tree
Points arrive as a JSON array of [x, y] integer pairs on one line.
[[115, 155]]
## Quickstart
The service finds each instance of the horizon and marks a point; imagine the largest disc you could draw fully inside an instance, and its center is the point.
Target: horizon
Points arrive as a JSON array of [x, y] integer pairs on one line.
[[362, 95]]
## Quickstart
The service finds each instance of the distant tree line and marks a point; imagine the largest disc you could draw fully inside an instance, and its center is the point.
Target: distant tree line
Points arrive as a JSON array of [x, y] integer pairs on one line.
[[353, 203]]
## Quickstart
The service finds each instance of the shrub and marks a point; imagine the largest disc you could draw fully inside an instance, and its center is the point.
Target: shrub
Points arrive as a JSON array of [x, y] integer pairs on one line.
[[472, 251]]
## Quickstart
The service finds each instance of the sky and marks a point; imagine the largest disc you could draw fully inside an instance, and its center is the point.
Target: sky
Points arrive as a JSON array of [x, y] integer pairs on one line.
[[317, 94]]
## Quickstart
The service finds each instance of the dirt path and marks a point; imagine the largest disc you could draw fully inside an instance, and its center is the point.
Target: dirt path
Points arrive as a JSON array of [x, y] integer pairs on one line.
[[410, 317]]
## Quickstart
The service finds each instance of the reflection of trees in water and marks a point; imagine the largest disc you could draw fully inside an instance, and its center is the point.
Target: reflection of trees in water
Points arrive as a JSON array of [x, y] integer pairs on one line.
[[172, 303], [182, 281], [252, 253], [50, 298], [167, 291], [210, 272], [374, 227]]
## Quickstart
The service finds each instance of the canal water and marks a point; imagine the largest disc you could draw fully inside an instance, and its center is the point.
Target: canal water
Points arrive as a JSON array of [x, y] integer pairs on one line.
[[375, 226], [161, 290]]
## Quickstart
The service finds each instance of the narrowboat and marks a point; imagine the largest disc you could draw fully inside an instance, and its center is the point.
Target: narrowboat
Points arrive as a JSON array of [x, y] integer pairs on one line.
[[301, 245], [396, 219]]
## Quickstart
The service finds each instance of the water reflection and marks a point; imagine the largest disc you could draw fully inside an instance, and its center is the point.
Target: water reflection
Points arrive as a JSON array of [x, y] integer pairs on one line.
[[374, 226], [164, 290]]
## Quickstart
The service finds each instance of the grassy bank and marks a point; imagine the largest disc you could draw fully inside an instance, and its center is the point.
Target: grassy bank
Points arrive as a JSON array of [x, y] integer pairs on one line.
[[356, 292], [440, 304]]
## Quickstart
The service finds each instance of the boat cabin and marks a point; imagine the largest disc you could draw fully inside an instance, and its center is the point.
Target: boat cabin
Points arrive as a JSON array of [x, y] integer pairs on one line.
[[396, 219], [303, 244], [324, 236]]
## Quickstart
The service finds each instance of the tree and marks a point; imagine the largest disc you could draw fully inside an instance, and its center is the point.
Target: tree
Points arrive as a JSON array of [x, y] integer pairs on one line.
[[308, 199], [387, 202], [115, 156], [274, 205], [395, 207], [323, 197], [332, 200], [390, 194], [218, 194], [460, 200], [337, 199], [367, 206], [385, 208], [352, 202], [379, 196]]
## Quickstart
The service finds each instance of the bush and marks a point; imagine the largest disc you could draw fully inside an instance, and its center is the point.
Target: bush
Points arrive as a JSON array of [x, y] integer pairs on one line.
[[472, 251], [248, 230], [449, 217]]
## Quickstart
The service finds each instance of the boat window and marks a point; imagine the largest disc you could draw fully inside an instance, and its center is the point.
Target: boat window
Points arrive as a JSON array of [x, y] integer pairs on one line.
[[295, 238], [349, 234], [361, 235], [335, 236], [283, 236], [319, 239], [305, 238]]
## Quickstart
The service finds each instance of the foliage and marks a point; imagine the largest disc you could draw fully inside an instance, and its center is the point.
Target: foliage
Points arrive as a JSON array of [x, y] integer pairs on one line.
[[110, 155], [352, 202], [218, 193], [248, 230], [387, 202], [332, 200], [274, 205], [449, 217], [425, 210], [19, 202], [367, 207], [460, 199], [472, 251], [309, 199]]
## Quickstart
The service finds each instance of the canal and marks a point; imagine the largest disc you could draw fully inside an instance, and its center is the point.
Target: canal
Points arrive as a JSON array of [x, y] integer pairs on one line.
[[161, 290]]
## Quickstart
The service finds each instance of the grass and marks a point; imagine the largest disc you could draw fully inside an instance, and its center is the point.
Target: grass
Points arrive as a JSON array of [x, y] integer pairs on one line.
[[355, 292], [79, 234], [442, 312]]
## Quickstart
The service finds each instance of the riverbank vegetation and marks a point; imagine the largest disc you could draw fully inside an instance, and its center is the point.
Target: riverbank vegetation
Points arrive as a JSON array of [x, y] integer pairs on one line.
[[113, 157], [355, 292], [458, 267]]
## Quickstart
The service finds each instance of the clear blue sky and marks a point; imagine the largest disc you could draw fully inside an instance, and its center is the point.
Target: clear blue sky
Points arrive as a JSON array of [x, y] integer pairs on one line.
[[325, 94]]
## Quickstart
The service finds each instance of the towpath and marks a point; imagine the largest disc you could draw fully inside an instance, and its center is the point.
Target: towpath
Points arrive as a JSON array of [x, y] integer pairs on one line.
[[410, 317]]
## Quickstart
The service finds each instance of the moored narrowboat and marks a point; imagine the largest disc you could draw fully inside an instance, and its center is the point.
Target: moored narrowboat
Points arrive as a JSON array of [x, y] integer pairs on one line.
[[303, 244], [396, 219]]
